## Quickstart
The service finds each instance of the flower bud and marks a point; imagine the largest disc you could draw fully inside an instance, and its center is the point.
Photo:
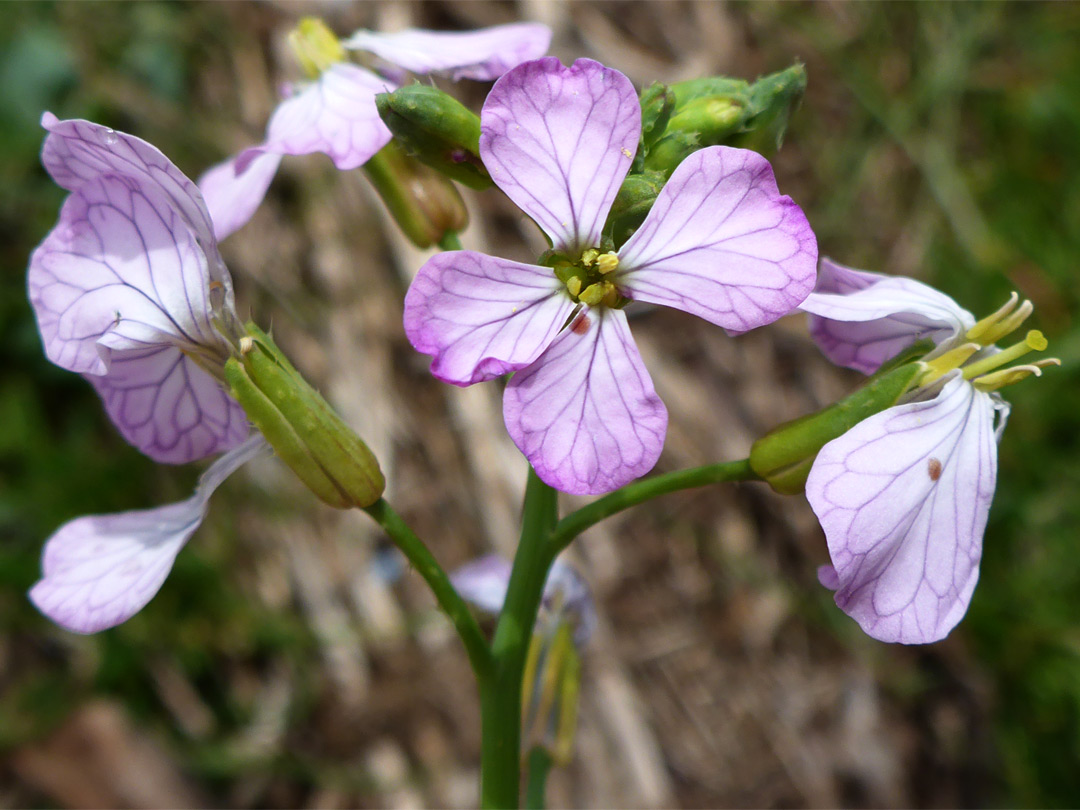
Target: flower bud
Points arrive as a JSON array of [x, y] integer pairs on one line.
[[302, 428], [657, 104], [632, 204], [423, 202], [783, 456], [437, 130]]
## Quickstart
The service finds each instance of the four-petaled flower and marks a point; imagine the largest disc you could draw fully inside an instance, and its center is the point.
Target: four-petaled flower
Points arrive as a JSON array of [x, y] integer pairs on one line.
[[903, 497], [130, 291], [336, 115], [720, 242]]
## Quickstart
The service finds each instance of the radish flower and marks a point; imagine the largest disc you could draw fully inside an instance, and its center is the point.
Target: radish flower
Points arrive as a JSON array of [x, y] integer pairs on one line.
[[720, 243], [903, 497]]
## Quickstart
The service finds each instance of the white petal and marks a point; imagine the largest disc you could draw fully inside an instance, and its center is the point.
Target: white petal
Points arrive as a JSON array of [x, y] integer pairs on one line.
[[903, 498], [101, 570]]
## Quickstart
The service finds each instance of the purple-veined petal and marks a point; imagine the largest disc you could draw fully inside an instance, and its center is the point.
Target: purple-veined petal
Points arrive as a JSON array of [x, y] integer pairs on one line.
[[483, 582], [903, 498], [722, 243], [78, 151], [335, 115], [585, 414], [120, 262], [101, 570], [231, 196], [480, 317], [860, 320], [559, 141], [484, 54], [168, 407]]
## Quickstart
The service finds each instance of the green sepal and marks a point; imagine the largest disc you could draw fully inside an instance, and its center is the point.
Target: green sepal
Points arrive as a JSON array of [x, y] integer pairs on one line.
[[632, 204], [657, 104], [336, 451], [423, 201], [783, 457], [773, 99], [273, 425], [438, 130]]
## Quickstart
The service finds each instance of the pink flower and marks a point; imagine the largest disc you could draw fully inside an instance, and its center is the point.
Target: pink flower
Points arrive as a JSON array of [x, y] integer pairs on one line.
[[720, 243], [129, 290], [336, 115], [904, 496]]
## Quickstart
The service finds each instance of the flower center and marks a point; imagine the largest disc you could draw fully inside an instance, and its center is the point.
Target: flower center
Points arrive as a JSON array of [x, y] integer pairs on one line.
[[315, 46], [978, 358], [588, 280]]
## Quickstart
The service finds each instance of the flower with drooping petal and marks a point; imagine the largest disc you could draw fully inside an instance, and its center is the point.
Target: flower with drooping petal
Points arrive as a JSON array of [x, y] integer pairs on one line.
[[903, 497], [130, 291], [335, 113], [567, 597], [100, 570], [720, 242]]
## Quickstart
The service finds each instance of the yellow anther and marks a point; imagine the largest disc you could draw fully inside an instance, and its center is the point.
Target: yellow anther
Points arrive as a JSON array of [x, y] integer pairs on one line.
[[246, 344], [1033, 341], [315, 46], [1008, 376], [608, 262], [589, 256], [596, 293], [573, 285], [954, 358], [998, 324]]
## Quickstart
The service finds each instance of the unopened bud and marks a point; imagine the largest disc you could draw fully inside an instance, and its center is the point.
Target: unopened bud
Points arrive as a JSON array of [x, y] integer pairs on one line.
[[657, 104], [632, 204], [784, 456], [438, 130], [324, 452], [423, 202]]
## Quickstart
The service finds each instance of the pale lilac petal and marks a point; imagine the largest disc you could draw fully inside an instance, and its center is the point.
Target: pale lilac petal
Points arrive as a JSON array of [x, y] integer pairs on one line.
[[77, 152], [484, 54], [722, 243], [480, 317], [483, 582], [101, 570], [903, 498], [335, 115], [586, 414], [559, 141], [828, 577], [120, 262], [168, 407], [233, 196], [567, 592], [870, 318]]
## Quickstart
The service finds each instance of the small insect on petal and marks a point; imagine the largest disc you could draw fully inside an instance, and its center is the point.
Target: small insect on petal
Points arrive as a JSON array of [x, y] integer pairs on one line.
[[934, 468], [581, 325]]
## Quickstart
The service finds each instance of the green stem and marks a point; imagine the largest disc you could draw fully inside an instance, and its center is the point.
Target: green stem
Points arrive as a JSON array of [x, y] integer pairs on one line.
[[500, 698], [426, 565], [632, 494], [536, 787], [450, 241]]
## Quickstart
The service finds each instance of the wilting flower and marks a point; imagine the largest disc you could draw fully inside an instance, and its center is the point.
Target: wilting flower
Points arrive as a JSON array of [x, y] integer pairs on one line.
[[552, 676], [130, 291], [720, 242], [335, 112], [904, 496]]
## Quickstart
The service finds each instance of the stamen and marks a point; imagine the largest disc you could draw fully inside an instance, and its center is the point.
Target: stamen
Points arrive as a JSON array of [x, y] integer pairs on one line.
[[573, 286], [1033, 341], [596, 293], [1008, 325], [946, 362], [1009, 376], [246, 344], [979, 329], [589, 256], [607, 263]]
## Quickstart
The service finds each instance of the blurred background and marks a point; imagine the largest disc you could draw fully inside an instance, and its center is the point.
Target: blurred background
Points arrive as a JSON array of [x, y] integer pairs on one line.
[[292, 660]]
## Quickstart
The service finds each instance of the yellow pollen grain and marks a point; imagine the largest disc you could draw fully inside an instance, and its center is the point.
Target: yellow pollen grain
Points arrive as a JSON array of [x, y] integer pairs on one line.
[[626, 152]]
